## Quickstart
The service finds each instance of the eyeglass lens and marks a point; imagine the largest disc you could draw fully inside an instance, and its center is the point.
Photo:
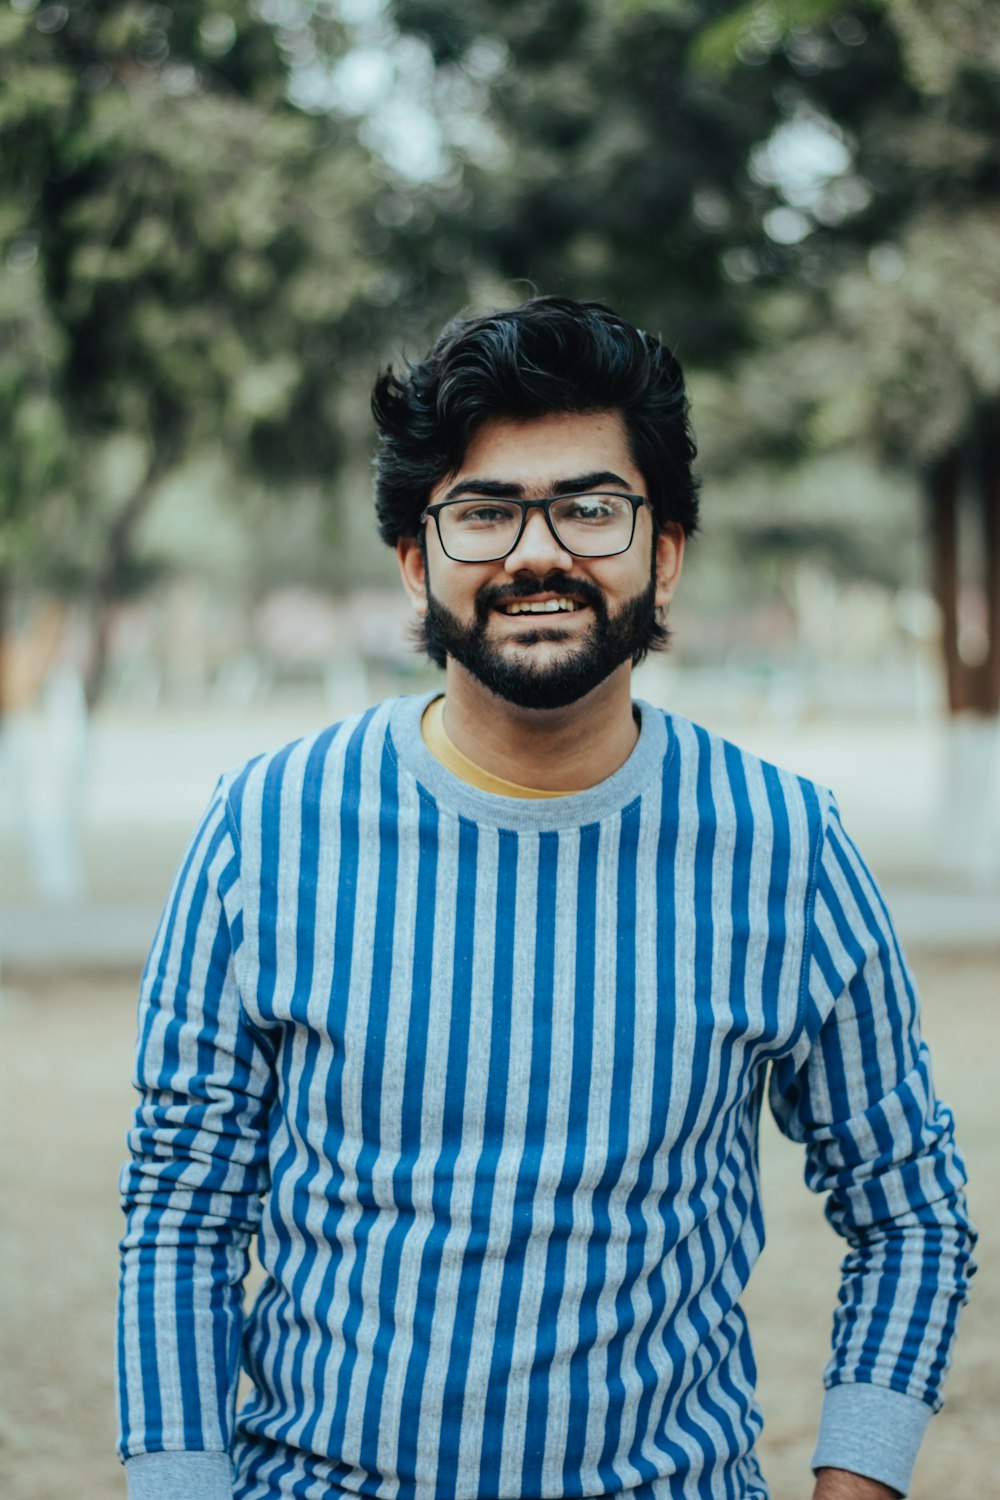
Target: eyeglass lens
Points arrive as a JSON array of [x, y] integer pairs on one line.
[[592, 525]]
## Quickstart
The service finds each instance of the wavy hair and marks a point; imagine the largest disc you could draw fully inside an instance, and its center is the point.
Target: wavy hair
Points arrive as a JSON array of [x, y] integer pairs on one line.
[[550, 354]]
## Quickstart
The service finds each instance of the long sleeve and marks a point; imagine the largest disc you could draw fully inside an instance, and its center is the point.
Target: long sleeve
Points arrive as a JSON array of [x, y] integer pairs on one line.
[[192, 1189], [858, 1094]]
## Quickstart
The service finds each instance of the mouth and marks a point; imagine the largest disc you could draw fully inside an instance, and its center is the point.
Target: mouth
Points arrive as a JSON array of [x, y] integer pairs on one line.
[[558, 604]]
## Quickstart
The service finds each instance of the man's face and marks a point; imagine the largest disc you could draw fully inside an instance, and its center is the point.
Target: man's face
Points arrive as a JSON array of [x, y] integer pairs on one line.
[[475, 612]]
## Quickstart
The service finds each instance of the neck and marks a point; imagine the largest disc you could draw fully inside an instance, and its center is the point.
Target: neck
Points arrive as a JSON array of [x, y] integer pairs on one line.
[[551, 749]]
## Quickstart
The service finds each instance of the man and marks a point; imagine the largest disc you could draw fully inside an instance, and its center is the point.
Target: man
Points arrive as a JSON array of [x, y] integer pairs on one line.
[[466, 1008]]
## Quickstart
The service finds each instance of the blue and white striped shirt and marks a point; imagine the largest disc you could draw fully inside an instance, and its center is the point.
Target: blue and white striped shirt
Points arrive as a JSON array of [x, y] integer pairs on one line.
[[484, 1076]]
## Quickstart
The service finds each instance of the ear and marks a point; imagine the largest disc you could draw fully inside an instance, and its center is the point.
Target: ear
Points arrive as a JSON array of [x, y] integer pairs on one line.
[[413, 571], [668, 559]]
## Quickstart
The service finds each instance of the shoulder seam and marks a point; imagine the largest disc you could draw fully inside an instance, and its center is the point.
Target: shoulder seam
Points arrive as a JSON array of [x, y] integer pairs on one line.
[[230, 815], [232, 826], [825, 800]]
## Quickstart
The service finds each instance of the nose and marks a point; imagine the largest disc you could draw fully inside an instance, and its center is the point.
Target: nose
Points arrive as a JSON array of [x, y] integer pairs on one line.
[[537, 549]]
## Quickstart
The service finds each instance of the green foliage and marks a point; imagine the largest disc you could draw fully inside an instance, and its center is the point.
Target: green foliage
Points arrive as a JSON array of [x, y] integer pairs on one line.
[[754, 26], [185, 266], [801, 192], [901, 322], [34, 443], [174, 219], [621, 173]]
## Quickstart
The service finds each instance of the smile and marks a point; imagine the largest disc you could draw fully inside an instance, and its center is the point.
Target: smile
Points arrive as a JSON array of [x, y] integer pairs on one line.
[[541, 607]]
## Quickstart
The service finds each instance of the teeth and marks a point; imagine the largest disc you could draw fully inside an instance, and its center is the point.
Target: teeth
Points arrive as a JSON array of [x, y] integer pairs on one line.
[[546, 607]]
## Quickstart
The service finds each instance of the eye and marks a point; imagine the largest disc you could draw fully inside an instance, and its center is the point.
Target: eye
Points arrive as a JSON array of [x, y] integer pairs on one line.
[[592, 508], [481, 513]]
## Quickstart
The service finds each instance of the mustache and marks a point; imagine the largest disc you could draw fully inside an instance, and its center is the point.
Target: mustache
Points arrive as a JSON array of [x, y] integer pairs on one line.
[[523, 588]]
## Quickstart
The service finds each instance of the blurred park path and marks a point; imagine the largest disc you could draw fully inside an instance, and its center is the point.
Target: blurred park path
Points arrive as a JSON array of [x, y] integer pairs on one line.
[[149, 774]]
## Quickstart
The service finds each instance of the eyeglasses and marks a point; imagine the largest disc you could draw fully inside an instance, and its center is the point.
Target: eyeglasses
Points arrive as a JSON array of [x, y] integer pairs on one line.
[[594, 524]]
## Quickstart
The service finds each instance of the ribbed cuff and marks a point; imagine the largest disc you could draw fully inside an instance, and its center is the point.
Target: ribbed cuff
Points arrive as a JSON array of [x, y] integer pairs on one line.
[[871, 1431], [179, 1476]]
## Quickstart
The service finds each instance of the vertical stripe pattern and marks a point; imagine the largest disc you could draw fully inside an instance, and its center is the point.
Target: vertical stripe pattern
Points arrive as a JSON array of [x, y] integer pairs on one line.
[[487, 1089]]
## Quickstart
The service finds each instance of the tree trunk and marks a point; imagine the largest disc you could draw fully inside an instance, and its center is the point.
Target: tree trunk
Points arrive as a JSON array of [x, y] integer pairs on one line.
[[942, 490], [107, 587], [118, 554], [972, 687], [5, 605], [990, 498], [968, 843]]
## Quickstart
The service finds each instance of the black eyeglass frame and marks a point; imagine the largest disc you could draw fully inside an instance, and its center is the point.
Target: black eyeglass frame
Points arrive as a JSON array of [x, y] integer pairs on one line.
[[545, 507]]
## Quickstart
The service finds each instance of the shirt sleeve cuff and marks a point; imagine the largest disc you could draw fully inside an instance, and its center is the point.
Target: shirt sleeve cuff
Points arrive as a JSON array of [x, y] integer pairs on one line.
[[179, 1476], [872, 1431]]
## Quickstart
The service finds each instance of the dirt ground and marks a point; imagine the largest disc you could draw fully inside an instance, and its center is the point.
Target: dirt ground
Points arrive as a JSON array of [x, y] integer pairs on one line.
[[66, 1049]]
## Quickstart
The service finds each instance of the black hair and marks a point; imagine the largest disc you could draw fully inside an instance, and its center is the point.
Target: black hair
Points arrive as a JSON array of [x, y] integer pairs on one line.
[[549, 354]]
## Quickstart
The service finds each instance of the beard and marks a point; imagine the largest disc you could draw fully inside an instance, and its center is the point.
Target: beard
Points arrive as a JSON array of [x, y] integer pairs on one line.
[[509, 671]]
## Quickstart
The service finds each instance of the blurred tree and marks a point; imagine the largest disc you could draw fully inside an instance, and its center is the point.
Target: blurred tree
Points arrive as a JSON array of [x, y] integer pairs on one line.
[[213, 220], [185, 267], [887, 331], [619, 171]]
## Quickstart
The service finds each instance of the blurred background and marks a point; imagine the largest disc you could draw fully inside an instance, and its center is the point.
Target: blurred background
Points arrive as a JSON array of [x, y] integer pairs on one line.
[[217, 221]]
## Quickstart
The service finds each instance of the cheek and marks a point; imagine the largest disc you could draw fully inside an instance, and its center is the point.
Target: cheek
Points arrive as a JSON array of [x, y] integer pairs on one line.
[[458, 590], [630, 577]]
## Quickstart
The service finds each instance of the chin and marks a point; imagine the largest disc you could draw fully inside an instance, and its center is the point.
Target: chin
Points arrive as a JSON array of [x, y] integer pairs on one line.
[[564, 679]]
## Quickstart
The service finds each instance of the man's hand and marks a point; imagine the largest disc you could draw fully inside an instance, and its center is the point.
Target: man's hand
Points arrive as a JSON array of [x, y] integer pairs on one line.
[[841, 1484]]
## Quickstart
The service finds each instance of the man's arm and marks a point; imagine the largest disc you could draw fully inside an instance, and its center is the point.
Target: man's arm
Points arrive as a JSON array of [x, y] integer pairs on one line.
[[192, 1189], [858, 1093]]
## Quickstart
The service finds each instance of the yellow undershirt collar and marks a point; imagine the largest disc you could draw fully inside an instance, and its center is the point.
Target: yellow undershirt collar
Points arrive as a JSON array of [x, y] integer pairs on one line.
[[433, 730]]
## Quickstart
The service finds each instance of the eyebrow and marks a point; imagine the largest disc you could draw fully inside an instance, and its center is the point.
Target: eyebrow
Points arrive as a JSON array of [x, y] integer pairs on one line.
[[499, 489]]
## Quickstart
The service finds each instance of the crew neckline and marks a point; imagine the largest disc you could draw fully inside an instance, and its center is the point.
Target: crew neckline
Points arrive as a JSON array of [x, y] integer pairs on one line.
[[606, 799], [444, 749]]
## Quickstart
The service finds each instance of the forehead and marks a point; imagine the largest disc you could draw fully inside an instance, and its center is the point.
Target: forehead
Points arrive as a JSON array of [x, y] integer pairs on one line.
[[539, 451]]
